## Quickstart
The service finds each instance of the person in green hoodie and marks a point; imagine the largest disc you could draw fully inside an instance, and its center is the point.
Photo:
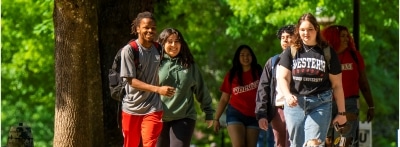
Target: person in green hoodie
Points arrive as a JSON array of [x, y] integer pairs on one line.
[[179, 70]]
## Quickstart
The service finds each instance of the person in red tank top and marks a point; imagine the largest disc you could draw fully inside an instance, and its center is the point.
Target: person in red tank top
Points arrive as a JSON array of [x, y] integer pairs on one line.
[[354, 79]]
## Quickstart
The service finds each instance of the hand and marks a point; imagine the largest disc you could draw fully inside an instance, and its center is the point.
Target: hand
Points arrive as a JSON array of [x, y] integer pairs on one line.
[[291, 101], [216, 126], [209, 123], [340, 119], [263, 124], [166, 91], [370, 115]]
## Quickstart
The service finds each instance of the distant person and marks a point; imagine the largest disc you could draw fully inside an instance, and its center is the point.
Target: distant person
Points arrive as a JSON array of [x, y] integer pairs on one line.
[[268, 91], [141, 107], [354, 79], [239, 94], [179, 70], [308, 80]]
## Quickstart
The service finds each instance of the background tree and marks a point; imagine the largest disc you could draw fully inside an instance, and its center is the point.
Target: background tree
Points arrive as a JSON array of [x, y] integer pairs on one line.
[[27, 68], [114, 17], [78, 119]]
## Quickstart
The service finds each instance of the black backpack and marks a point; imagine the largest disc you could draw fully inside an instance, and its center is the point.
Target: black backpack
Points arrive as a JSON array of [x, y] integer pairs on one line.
[[116, 83]]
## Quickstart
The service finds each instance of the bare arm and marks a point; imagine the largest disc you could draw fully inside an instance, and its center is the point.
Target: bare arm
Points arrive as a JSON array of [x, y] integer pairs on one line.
[[162, 90], [366, 92], [220, 109], [283, 79], [336, 81]]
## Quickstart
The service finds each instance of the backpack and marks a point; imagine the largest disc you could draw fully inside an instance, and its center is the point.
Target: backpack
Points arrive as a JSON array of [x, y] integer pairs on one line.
[[116, 83], [271, 102]]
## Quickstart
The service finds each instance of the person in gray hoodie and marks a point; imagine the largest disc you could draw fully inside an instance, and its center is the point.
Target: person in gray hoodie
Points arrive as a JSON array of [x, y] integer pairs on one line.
[[179, 70]]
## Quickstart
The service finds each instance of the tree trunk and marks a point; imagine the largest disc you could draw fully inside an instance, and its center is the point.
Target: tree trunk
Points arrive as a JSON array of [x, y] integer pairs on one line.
[[114, 33], [79, 106], [85, 32]]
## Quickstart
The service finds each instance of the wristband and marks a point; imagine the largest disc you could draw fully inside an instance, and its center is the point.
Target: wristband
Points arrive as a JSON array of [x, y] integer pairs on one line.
[[342, 113]]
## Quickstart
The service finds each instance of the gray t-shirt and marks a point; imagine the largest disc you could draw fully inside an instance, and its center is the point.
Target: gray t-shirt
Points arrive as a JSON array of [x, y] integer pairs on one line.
[[138, 102]]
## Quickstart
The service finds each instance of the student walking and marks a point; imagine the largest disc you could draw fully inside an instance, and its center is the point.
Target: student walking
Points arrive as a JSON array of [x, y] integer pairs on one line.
[[238, 95], [179, 70], [269, 96], [142, 107], [309, 75], [354, 80]]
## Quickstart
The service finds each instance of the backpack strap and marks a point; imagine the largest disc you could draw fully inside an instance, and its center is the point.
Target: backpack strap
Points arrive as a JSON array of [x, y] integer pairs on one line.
[[327, 56], [135, 48], [160, 50], [274, 61], [293, 52], [272, 93]]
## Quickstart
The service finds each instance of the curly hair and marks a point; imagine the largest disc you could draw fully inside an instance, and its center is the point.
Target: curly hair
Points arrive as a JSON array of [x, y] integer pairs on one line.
[[140, 16], [331, 34], [184, 55], [285, 29], [297, 44], [237, 69]]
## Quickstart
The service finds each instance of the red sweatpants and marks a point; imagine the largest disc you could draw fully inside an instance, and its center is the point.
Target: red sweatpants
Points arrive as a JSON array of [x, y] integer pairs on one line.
[[148, 127]]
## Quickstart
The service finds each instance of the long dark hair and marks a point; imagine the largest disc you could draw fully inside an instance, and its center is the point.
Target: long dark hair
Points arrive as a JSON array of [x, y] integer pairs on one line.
[[297, 44], [237, 69], [184, 56]]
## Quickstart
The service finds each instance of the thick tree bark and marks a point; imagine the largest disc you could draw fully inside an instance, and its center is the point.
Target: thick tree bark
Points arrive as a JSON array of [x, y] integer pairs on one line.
[[79, 106], [115, 18], [88, 35]]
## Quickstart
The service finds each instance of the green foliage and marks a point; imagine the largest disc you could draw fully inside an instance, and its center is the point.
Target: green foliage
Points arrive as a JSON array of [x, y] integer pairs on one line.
[[219, 27], [27, 68], [213, 29]]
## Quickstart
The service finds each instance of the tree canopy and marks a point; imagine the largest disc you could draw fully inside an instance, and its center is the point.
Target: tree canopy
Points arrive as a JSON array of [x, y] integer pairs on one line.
[[27, 65]]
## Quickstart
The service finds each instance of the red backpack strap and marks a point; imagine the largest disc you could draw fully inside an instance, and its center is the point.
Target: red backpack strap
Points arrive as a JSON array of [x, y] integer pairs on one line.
[[159, 48], [135, 48]]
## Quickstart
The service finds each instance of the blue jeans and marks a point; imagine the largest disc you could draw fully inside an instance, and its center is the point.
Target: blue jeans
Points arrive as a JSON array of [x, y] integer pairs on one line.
[[310, 119], [353, 108], [266, 138]]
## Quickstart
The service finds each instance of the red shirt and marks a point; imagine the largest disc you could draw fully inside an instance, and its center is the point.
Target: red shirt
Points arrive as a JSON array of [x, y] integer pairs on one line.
[[350, 72], [242, 98]]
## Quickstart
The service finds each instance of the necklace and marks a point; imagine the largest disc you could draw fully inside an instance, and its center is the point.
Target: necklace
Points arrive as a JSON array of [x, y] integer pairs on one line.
[[308, 48]]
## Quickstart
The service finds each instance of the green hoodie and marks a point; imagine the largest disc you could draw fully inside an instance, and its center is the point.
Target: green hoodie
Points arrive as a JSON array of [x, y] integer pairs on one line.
[[189, 84]]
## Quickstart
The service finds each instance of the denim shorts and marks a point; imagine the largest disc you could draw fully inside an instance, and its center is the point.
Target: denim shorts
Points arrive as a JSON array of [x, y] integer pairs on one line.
[[310, 119], [233, 116]]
